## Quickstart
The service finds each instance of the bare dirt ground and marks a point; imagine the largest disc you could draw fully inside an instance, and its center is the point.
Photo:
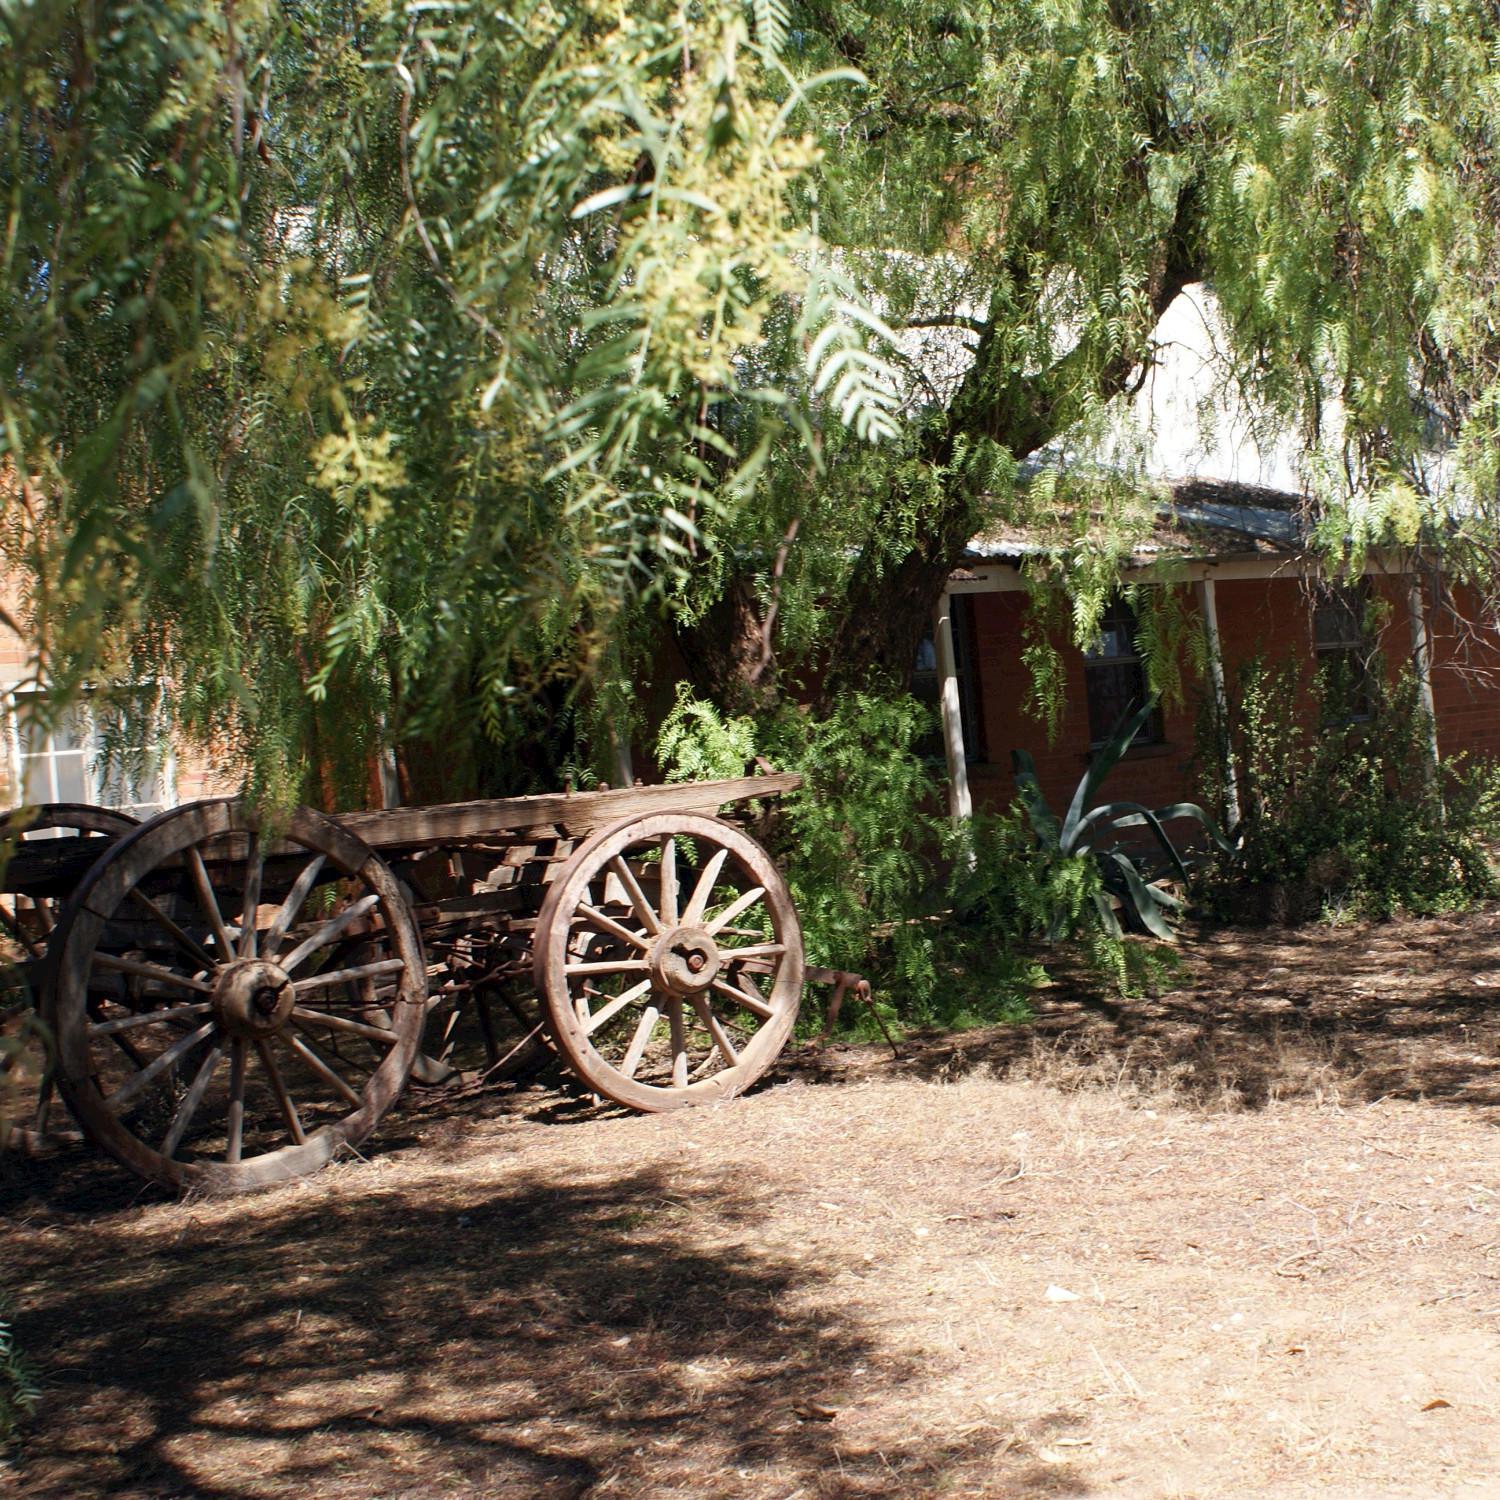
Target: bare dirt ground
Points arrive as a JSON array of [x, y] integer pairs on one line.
[[1243, 1239]]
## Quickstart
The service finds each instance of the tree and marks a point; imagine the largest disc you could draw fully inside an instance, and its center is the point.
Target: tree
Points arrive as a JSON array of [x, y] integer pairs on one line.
[[1045, 178], [361, 363], [382, 370]]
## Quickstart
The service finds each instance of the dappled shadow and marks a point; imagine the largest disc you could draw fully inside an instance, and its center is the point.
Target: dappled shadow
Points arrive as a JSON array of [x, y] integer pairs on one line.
[[557, 1338], [1405, 1009]]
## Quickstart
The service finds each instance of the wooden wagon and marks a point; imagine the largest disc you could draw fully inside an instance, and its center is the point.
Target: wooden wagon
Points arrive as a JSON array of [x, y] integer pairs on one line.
[[233, 1004]]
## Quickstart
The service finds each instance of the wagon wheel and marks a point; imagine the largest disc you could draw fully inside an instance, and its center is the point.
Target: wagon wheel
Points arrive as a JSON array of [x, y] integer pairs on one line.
[[669, 959], [230, 1009], [28, 922]]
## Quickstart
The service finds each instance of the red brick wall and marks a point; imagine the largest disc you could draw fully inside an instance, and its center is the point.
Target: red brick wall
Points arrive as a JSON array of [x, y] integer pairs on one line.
[[1465, 682], [1153, 774], [1269, 617]]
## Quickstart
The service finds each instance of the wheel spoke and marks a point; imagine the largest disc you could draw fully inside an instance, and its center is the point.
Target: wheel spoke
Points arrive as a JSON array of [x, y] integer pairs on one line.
[[609, 966], [255, 865], [325, 934], [753, 950], [236, 1120], [751, 1002], [715, 1030], [704, 889], [133, 1085], [668, 880], [305, 1017], [740, 904], [320, 1067], [679, 1044], [150, 971], [278, 1087], [608, 924], [148, 1018], [33, 946], [189, 1106], [203, 888], [347, 976], [643, 1029], [188, 944], [626, 876], [608, 1011], [286, 913]]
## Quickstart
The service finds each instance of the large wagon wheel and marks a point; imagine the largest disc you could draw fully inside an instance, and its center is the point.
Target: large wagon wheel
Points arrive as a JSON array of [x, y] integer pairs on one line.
[[28, 923], [669, 959], [230, 1009]]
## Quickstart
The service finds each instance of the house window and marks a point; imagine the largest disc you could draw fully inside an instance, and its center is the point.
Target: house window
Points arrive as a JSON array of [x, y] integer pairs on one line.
[[1342, 650], [1114, 675], [926, 682], [92, 752]]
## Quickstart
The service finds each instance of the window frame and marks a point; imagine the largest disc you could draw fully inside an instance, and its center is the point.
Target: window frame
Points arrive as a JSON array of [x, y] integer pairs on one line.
[[1119, 617], [95, 767], [1346, 602]]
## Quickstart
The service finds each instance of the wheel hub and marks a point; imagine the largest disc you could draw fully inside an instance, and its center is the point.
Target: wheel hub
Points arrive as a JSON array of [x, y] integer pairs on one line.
[[252, 998], [684, 961]]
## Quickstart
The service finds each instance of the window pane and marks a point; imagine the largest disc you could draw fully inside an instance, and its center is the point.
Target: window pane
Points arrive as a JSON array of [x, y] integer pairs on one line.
[[1115, 690], [72, 776], [36, 780], [129, 781], [29, 730], [73, 729]]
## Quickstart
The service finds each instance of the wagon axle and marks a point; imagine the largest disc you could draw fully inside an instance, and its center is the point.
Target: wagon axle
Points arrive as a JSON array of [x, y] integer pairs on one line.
[[685, 960], [253, 998]]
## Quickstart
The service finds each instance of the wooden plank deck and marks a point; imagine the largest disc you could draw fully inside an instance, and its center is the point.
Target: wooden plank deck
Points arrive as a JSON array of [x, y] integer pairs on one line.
[[50, 867]]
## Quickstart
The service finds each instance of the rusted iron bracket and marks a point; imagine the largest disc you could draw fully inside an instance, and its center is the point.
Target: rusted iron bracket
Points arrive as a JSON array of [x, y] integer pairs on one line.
[[843, 981]]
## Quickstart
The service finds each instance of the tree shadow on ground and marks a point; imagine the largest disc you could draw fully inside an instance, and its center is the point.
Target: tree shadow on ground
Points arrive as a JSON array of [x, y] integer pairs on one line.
[[1400, 1010], [553, 1339]]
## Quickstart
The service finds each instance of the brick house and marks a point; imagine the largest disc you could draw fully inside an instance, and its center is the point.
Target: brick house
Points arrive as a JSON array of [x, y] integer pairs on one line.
[[65, 760], [1254, 588]]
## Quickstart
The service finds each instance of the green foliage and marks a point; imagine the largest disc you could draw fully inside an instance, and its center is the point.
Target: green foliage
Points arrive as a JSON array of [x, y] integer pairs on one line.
[[363, 366], [19, 1391], [697, 743], [943, 921], [392, 369], [1347, 819], [1086, 837], [857, 836]]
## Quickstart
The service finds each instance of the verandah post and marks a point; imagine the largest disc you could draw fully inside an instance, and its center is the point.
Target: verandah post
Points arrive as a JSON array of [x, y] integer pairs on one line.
[[1209, 609], [960, 804]]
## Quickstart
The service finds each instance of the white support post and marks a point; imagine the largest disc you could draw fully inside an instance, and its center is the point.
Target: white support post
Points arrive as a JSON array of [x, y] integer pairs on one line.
[[1421, 664], [1208, 607], [390, 780], [619, 745], [960, 804]]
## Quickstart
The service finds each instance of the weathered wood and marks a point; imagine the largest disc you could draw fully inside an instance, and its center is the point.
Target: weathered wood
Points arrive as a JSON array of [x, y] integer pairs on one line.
[[577, 813], [602, 925], [47, 869], [245, 1016]]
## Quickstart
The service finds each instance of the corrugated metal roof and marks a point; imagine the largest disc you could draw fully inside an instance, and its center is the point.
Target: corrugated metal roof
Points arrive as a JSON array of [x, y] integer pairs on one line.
[[1197, 519]]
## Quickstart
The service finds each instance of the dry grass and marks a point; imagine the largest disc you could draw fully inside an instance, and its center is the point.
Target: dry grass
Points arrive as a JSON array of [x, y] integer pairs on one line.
[[1242, 1240]]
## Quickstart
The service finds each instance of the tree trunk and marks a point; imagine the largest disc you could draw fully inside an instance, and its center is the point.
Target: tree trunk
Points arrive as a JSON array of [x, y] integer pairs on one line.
[[728, 653]]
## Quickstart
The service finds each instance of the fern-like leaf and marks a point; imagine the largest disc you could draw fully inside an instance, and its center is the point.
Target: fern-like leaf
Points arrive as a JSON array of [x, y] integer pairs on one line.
[[772, 23]]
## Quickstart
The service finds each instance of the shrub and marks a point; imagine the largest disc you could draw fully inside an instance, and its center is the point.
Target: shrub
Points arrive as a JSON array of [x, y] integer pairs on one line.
[[1342, 816], [943, 921]]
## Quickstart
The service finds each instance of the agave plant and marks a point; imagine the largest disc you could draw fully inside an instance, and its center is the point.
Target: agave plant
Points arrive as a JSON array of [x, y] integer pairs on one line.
[[1087, 832]]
